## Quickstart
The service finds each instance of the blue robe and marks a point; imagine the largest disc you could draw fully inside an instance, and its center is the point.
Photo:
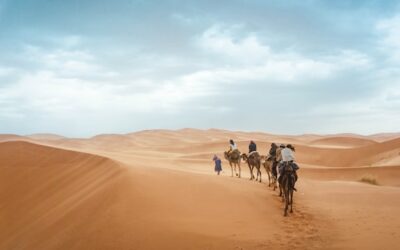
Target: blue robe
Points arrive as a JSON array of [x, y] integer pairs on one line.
[[218, 165]]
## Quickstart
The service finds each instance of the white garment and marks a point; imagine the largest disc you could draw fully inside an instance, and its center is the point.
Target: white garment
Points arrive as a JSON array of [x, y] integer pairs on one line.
[[287, 154], [233, 147]]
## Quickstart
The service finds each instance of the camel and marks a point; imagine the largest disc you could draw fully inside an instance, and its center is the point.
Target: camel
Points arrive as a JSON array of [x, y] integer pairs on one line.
[[234, 160], [254, 160], [268, 167], [288, 180]]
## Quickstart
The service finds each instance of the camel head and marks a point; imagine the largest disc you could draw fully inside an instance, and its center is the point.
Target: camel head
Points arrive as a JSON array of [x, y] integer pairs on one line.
[[226, 155], [244, 157]]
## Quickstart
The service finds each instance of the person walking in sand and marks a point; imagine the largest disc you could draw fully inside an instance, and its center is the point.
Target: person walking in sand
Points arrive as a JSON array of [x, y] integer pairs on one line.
[[218, 164]]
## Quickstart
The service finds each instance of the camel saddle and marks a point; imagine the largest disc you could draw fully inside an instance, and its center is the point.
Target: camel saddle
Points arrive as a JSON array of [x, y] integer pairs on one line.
[[235, 151], [254, 153], [288, 168]]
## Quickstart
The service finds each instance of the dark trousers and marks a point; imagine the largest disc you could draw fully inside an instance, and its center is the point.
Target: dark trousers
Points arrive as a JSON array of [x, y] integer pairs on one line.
[[273, 170]]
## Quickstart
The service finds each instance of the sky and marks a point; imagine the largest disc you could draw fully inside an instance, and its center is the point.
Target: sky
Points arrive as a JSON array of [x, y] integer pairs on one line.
[[81, 68]]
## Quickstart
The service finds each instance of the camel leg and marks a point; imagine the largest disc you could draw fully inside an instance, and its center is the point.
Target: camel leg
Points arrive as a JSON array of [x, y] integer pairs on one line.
[[282, 193], [251, 171], [291, 200], [269, 177], [258, 174], [240, 170], [236, 174], [231, 169], [286, 191], [291, 197]]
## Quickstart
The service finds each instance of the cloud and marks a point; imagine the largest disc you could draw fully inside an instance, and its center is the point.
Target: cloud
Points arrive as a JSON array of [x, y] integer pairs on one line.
[[71, 81], [142, 65], [222, 41], [248, 59], [46, 92], [66, 62]]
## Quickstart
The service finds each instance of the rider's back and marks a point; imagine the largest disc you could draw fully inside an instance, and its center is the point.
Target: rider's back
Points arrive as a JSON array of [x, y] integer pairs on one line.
[[287, 154]]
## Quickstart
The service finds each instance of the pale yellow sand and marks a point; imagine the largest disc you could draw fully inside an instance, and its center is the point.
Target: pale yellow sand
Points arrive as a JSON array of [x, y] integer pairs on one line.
[[157, 190]]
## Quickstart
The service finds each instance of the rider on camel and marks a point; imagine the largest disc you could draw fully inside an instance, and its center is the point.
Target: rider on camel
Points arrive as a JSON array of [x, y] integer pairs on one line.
[[252, 147], [272, 157], [232, 146], [287, 154]]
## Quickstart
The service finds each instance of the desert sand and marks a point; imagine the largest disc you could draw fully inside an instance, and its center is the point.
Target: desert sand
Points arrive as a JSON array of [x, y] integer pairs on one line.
[[156, 189]]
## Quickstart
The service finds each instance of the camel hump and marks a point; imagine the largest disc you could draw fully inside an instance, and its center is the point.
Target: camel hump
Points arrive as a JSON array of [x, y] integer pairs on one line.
[[235, 152], [254, 154]]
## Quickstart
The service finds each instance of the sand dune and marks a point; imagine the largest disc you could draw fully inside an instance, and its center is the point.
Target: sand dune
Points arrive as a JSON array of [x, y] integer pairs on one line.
[[58, 199], [11, 137], [44, 192], [352, 157], [45, 136], [381, 137], [355, 215], [156, 190], [388, 176], [342, 142]]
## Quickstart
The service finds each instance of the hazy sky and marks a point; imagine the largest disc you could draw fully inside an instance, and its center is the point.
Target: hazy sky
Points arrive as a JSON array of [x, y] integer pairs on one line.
[[80, 68]]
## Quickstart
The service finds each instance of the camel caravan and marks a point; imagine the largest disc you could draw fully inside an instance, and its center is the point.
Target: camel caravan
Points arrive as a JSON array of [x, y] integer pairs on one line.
[[279, 165]]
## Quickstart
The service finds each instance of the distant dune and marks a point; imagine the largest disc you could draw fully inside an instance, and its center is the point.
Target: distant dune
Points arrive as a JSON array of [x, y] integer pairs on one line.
[[369, 155], [46, 136], [384, 136], [342, 142], [11, 137], [156, 189]]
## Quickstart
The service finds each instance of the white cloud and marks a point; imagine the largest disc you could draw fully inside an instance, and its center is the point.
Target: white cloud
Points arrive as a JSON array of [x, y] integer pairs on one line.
[[350, 59], [70, 82], [72, 79], [361, 116], [67, 62], [46, 92], [248, 59], [219, 40]]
